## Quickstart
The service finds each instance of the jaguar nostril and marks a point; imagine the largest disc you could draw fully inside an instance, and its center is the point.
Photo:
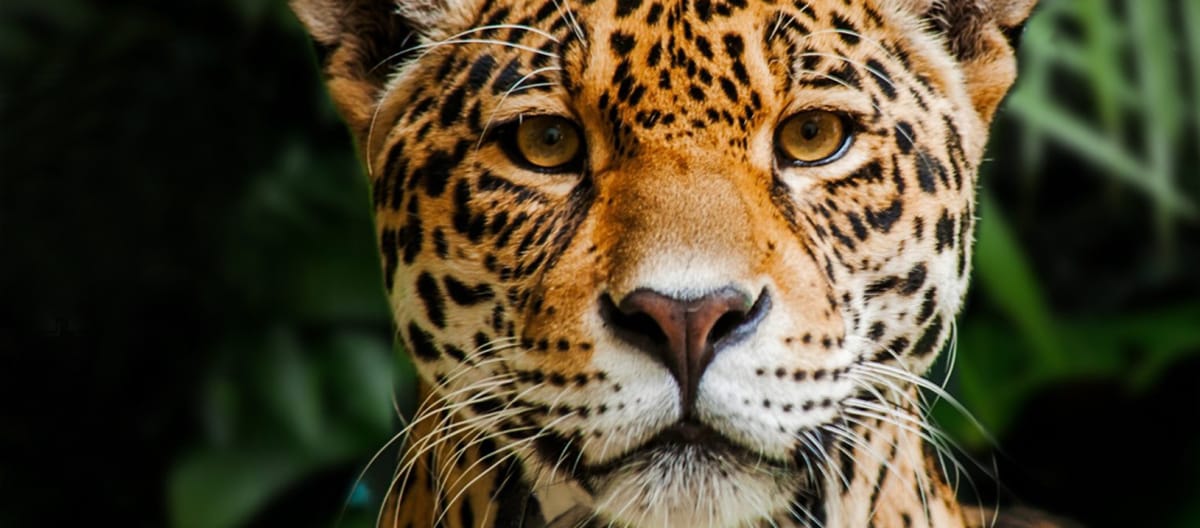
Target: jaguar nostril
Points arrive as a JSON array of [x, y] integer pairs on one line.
[[737, 324], [637, 326], [725, 326], [683, 334]]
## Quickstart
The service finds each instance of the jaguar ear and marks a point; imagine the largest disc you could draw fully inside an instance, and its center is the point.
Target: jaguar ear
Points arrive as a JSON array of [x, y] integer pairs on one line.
[[981, 35], [358, 42]]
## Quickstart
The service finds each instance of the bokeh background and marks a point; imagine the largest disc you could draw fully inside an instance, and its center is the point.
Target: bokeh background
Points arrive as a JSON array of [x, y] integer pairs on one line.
[[193, 331]]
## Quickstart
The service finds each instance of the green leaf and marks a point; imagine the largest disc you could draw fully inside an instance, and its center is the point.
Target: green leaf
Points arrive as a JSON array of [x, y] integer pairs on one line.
[[1005, 274], [222, 489]]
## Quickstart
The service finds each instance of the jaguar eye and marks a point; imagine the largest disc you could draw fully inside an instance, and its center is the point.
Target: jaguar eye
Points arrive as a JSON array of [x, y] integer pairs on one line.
[[812, 137], [547, 143]]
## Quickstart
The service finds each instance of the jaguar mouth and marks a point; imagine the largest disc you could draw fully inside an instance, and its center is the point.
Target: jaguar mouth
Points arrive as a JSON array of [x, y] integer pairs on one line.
[[688, 440], [690, 474]]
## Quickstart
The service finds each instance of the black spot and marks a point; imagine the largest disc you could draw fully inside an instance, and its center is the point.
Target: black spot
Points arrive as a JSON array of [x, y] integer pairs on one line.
[[945, 231], [928, 304], [914, 280], [509, 76], [481, 71], [466, 513], [925, 345], [847, 75], [412, 234], [846, 30], [881, 286], [431, 297], [440, 244], [856, 223], [435, 173], [734, 46], [703, 46], [622, 43], [422, 343], [893, 350], [464, 295], [452, 107], [884, 219], [740, 73], [549, 8], [729, 88], [882, 78], [420, 108], [925, 174], [841, 237], [456, 353], [877, 330], [656, 10], [387, 247], [847, 467], [904, 136], [624, 8], [654, 55]]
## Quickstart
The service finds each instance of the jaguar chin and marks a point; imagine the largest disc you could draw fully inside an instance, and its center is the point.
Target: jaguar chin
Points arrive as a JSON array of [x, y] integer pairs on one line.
[[690, 475]]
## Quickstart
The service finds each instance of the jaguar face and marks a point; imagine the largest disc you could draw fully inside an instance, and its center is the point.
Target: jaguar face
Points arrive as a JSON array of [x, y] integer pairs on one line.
[[673, 257]]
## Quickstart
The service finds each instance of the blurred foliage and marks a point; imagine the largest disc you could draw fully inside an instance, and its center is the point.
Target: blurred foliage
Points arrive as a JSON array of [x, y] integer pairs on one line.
[[1095, 154], [281, 371], [1135, 125]]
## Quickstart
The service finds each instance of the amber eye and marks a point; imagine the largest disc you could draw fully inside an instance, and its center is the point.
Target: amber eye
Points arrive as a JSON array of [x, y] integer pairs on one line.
[[549, 143], [812, 137]]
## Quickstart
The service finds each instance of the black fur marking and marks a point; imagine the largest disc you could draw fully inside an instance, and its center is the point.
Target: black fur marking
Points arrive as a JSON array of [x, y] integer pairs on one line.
[[431, 297], [452, 107], [928, 303], [464, 295], [945, 231], [387, 247], [509, 76], [422, 343], [481, 70], [915, 279], [626, 7], [846, 30], [905, 137], [925, 174], [622, 43], [882, 78], [884, 219], [412, 234], [925, 345]]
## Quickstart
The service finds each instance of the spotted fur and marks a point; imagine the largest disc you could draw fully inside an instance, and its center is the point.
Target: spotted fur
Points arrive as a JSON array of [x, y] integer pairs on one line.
[[539, 409]]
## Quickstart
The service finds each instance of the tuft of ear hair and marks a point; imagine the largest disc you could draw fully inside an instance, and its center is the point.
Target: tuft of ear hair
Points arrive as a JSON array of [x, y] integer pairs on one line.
[[358, 42], [968, 24], [981, 35], [354, 40]]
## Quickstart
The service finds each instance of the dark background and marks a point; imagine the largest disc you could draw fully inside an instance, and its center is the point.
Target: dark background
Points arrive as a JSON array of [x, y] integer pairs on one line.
[[193, 331]]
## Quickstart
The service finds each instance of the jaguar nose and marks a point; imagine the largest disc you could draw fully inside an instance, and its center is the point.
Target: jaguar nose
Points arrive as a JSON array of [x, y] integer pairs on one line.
[[684, 334]]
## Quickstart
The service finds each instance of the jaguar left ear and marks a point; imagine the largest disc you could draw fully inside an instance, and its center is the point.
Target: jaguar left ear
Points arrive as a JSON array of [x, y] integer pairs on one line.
[[359, 40], [981, 35]]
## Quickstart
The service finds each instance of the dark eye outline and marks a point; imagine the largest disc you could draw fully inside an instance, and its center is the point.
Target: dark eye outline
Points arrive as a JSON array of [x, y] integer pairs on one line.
[[849, 130], [505, 135]]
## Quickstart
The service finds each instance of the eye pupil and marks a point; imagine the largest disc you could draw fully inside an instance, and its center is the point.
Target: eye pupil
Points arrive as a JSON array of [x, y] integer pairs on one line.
[[552, 136], [810, 130]]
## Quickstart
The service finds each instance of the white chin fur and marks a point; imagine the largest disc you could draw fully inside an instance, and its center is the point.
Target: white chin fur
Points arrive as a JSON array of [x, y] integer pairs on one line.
[[692, 488]]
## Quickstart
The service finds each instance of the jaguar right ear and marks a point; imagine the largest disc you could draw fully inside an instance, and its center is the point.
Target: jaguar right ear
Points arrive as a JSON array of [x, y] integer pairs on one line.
[[360, 41], [980, 36]]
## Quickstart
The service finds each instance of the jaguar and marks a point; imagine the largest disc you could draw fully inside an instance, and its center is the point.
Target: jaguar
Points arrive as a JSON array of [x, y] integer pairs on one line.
[[672, 262]]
